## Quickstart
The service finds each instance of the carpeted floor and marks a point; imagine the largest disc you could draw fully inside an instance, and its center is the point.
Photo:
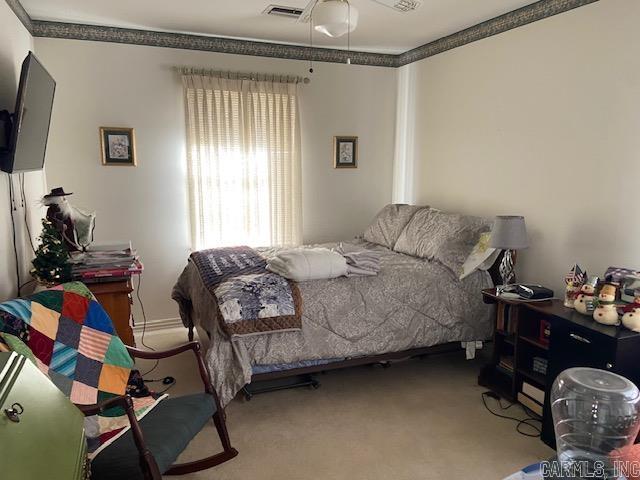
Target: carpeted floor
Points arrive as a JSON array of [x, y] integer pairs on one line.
[[419, 419]]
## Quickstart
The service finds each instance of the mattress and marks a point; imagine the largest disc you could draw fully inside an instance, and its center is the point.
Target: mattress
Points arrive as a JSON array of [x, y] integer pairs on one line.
[[411, 303]]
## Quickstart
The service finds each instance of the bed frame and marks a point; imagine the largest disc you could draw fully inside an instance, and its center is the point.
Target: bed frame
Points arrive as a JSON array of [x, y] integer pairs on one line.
[[303, 377]]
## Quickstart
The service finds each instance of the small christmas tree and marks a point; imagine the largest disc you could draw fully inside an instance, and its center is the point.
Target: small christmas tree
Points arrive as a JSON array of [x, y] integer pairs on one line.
[[51, 265]]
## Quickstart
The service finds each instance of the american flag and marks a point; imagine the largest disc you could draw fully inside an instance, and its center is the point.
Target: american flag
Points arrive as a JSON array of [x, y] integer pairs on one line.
[[576, 276]]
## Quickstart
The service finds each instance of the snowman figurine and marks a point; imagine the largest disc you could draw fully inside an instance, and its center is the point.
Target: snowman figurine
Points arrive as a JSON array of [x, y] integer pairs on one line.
[[605, 311], [584, 301], [631, 316]]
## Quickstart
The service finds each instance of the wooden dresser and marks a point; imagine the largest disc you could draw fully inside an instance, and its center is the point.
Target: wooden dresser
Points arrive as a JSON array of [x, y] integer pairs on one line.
[[575, 340], [115, 298]]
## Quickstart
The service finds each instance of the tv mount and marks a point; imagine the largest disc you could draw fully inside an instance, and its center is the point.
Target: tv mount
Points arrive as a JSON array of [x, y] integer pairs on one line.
[[6, 129], [6, 137]]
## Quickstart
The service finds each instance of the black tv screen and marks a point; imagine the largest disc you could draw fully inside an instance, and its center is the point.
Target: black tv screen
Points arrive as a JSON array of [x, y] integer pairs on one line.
[[27, 141]]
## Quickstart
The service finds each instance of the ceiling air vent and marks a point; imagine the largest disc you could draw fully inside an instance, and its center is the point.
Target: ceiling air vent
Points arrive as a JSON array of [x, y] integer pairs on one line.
[[280, 11], [401, 5]]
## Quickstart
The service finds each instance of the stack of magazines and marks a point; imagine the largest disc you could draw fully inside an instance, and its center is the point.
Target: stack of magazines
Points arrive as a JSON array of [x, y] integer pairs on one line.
[[105, 260]]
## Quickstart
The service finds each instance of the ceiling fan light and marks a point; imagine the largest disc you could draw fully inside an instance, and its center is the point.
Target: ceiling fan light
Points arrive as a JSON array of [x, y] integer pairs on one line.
[[335, 17]]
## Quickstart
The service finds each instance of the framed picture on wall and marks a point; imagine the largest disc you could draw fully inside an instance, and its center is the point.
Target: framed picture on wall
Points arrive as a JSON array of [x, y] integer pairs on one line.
[[118, 146], [345, 152]]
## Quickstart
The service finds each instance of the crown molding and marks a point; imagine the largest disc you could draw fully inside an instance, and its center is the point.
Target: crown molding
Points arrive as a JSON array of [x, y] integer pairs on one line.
[[517, 18], [22, 14], [514, 19]]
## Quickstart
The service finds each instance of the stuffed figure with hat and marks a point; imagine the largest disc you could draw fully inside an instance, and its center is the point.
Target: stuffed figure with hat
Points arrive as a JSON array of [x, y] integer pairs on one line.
[[584, 300], [606, 311], [75, 226], [631, 316]]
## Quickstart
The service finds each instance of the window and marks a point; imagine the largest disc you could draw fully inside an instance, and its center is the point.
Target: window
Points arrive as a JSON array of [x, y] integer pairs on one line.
[[243, 154]]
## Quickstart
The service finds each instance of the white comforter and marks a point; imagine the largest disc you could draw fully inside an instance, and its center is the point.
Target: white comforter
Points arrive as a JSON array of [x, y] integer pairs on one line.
[[304, 264]]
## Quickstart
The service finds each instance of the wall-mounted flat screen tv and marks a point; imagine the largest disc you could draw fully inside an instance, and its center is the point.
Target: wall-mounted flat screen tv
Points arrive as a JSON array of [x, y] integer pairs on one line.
[[27, 129]]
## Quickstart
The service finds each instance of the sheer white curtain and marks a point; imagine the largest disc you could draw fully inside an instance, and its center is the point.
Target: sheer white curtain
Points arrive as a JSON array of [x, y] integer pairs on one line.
[[243, 155]]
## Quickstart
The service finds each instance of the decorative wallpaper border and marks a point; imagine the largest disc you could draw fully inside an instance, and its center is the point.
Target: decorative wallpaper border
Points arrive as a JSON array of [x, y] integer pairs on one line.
[[517, 18], [207, 43], [514, 19]]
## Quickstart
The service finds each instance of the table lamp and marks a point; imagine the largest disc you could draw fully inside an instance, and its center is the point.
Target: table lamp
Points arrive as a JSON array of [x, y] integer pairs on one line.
[[509, 234]]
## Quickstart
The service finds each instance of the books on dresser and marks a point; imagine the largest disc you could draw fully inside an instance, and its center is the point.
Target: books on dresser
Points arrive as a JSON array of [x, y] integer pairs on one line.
[[533, 392], [531, 404], [532, 398], [106, 260]]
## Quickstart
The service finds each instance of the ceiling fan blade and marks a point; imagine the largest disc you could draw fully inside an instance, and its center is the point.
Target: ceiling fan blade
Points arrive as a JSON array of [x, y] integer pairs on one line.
[[305, 17], [401, 5]]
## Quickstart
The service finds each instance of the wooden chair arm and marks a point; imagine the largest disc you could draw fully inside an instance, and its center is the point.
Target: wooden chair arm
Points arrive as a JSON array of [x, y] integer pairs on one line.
[[120, 401], [147, 461], [196, 348]]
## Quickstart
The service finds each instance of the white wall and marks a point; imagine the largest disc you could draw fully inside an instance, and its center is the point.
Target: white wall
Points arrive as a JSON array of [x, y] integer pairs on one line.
[[542, 121], [102, 84], [15, 43]]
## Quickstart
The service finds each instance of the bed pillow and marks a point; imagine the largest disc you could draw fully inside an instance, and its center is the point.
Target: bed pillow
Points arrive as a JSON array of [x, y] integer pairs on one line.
[[482, 256], [445, 237], [389, 223]]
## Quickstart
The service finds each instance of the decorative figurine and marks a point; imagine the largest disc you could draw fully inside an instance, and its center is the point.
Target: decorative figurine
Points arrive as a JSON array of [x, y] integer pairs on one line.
[[606, 312], [584, 301], [573, 280], [75, 226], [570, 293], [631, 316]]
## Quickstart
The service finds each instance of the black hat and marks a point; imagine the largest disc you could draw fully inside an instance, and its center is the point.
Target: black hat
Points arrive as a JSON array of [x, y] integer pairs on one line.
[[57, 192]]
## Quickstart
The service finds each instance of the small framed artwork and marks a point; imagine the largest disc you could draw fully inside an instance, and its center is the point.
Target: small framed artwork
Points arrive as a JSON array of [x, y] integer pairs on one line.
[[345, 151], [118, 146]]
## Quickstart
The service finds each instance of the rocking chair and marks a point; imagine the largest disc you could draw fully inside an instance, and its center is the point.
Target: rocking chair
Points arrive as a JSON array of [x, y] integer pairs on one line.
[[152, 445]]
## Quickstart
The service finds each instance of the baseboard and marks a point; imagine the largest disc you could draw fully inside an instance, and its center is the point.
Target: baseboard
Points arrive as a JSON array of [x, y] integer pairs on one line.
[[157, 325]]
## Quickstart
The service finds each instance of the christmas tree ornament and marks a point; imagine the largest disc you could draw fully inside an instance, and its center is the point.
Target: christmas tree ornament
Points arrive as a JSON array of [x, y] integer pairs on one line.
[[51, 264]]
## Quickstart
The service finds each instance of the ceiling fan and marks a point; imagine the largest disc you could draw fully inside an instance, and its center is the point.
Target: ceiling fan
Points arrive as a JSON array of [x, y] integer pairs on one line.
[[335, 18]]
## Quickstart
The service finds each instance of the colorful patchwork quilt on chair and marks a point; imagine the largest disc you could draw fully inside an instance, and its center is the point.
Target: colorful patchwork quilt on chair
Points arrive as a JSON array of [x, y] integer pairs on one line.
[[70, 337]]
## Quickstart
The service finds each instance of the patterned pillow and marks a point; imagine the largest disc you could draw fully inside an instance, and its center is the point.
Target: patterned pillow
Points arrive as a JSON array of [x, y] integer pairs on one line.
[[481, 257], [389, 223], [445, 237]]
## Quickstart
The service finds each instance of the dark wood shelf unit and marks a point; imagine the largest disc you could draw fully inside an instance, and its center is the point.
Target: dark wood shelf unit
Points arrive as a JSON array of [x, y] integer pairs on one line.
[[576, 341], [509, 338], [537, 378], [535, 342]]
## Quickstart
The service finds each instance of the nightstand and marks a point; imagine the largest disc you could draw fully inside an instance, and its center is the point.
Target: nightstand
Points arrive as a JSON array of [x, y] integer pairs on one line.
[[517, 342], [575, 340]]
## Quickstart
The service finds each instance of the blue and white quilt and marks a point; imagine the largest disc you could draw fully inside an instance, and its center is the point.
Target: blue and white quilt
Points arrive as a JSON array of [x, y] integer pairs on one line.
[[251, 299]]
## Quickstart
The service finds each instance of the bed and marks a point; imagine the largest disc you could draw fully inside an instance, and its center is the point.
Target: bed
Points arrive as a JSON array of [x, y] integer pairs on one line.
[[412, 305]]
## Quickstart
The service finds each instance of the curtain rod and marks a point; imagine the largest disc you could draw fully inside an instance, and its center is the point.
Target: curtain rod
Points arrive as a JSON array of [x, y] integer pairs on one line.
[[243, 75]]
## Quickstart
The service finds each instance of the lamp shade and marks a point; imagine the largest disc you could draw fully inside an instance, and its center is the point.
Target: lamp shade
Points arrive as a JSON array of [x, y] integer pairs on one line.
[[334, 17], [509, 233]]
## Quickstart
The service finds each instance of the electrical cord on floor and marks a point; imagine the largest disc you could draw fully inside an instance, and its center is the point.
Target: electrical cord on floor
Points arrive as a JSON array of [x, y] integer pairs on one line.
[[24, 208], [144, 315], [27, 283], [169, 381], [144, 328], [520, 422], [12, 209]]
